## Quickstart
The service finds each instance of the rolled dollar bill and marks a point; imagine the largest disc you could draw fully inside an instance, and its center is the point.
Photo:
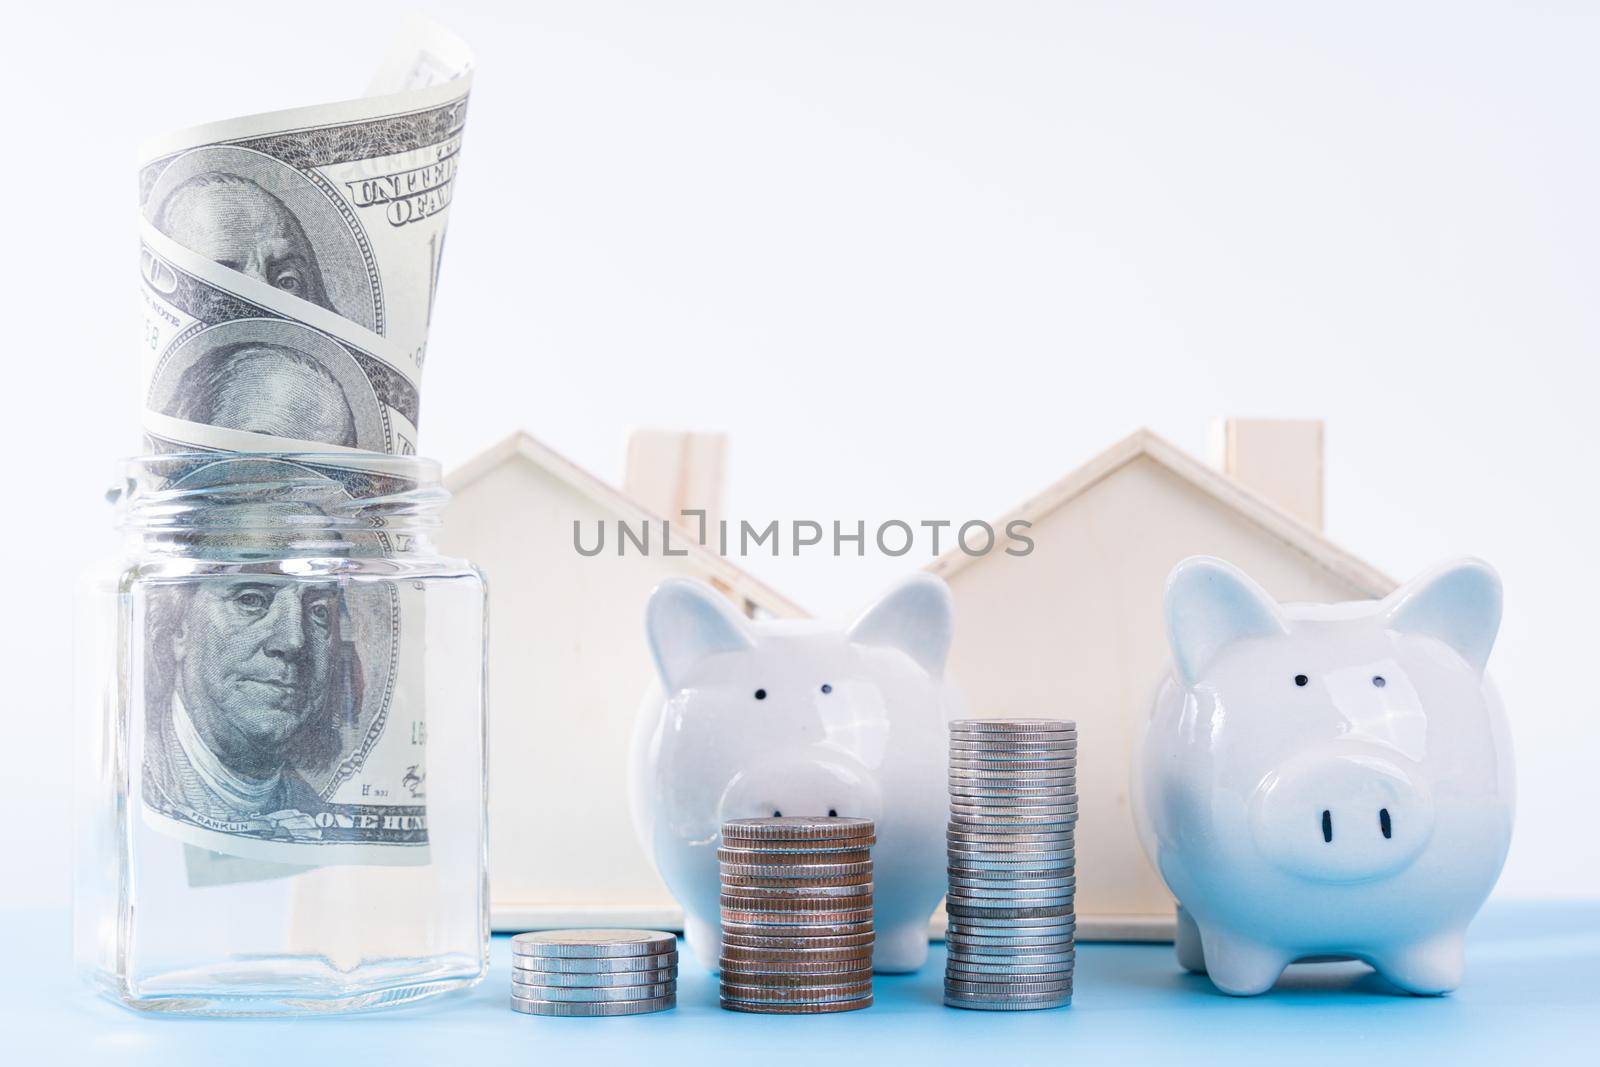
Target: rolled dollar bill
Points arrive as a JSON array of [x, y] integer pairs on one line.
[[289, 263]]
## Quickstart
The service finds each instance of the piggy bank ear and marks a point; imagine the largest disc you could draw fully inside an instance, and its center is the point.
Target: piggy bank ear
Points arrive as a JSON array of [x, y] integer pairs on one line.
[[1211, 604], [687, 621], [916, 617], [1458, 603]]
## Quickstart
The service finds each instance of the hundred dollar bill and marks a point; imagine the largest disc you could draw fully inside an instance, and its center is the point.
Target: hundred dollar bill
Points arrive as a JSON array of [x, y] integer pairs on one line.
[[226, 367], [341, 206], [283, 725]]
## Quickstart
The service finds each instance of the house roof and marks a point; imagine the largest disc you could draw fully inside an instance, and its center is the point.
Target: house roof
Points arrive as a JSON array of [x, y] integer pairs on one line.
[[1143, 444], [524, 446]]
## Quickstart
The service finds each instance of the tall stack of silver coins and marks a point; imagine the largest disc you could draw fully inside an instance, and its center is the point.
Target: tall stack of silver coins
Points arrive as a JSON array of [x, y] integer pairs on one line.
[[796, 915], [594, 972], [1013, 807]]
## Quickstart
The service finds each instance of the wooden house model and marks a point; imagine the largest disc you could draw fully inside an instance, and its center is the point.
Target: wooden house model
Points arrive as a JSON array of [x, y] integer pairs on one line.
[[1075, 630], [569, 665]]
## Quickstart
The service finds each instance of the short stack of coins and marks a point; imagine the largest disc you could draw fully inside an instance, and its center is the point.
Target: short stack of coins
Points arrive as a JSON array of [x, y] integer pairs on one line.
[[796, 915], [1013, 807], [594, 972]]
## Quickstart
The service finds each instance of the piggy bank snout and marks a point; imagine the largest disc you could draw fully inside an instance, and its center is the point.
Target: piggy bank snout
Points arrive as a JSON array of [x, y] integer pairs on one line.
[[1340, 818], [802, 785]]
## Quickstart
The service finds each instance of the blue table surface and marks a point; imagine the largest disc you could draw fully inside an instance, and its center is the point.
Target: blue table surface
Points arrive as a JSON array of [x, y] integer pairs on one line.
[[1532, 991]]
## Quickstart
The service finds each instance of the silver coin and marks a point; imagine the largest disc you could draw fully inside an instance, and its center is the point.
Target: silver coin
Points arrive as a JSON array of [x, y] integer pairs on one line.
[[956, 899], [1016, 743], [1010, 938], [776, 855], [589, 944], [981, 938], [1017, 942], [593, 1009], [984, 919], [1004, 724], [1066, 880], [959, 865], [797, 828], [595, 965], [995, 807], [960, 930], [998, 775], [961, 787], [962, 911], [951, 1000], [768, 980], [1007, 989], [593, 994], [1014, 757], [805, 891], [795, 969], [545, 979], [824, 930], [834, 917], [1013, 820], [1004, 840], [1004, 964]]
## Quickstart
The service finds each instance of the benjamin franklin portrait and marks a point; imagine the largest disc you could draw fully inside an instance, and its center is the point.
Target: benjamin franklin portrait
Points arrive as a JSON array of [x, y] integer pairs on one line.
[[271, 377], [269, 221], [263, 692], [235, 222], [250, 680]]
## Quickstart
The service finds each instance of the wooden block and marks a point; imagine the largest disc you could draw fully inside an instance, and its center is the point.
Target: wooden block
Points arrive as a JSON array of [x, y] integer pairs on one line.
[[1280, 460], [670, 471]]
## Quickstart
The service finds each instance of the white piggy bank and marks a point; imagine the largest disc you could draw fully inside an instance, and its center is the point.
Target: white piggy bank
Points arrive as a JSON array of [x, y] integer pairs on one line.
[[798, 718], [1327, 780]]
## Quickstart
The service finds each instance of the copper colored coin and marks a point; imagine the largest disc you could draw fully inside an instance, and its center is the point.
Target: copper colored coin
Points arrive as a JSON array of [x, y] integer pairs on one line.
[[798, 1009], [789, 930], [808, 890], [779, 957], [810, 902], [767, 979], [796, 873], [767, 939], [743, 991]]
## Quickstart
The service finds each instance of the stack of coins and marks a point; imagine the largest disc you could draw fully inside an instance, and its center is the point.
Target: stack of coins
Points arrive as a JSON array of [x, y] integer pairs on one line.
[[796, 915], [594, 972], [1013, 805]]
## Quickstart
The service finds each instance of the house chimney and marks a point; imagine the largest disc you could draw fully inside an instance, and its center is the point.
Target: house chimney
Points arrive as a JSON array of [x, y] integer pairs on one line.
[[1279, 460], [670, 471]]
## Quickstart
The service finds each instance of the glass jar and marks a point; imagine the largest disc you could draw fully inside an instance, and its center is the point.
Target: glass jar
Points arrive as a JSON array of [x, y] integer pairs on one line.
[[281, 788]]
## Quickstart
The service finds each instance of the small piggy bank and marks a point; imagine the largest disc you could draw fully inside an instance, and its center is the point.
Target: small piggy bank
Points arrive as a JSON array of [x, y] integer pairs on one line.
[[798, 718], [1326, 780]]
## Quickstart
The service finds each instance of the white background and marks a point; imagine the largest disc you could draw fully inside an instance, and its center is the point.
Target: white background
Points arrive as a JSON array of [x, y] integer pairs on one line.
[[919, 260]]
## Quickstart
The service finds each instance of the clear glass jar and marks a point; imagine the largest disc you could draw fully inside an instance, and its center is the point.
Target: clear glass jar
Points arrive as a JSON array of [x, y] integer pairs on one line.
[[281, 789]]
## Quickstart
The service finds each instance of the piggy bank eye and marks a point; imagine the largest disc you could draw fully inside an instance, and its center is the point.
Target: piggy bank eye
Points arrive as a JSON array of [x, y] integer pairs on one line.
[[761, 694], [1378, 681], [826, 688], [1301, 679]]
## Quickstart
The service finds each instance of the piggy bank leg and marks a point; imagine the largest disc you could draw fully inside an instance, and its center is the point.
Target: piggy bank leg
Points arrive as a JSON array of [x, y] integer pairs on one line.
[[1191, 957], [1426, 968], [705, 940], [900, 947], [1239, 967]]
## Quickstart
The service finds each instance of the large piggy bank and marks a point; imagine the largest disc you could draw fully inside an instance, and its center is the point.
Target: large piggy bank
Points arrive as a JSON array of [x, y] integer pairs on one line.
[[798, 718], [1326, 780]]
